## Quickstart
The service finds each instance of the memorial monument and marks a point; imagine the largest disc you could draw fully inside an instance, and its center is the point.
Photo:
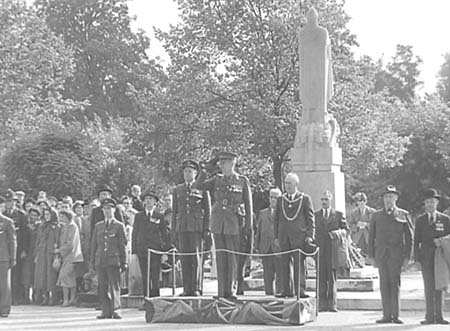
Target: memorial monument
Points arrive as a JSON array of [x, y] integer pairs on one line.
[[316, 156]]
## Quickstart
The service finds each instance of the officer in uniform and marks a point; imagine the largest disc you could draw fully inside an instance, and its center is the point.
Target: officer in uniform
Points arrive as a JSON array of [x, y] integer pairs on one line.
[[294, 228], [229, 191], [390, 244], [96, 216], [430, 226], [20, 224], [109, 259], [191, 209], [8, 247]]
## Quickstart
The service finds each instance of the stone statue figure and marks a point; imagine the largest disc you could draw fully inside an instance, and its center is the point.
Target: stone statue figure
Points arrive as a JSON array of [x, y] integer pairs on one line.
[[316, 84]]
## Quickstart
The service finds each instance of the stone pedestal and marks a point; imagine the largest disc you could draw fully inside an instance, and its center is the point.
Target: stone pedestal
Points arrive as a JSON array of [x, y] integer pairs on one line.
[[319, 169]]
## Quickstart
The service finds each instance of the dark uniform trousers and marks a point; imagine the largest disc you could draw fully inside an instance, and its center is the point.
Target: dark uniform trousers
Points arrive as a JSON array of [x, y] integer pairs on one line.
[[5, 288], [191, 242], [227, 263], [390, 268], [155, 270], [424, 248], [109, 288]]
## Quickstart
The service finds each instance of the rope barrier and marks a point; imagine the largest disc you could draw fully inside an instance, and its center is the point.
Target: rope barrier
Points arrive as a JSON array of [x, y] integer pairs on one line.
[[170, 251]]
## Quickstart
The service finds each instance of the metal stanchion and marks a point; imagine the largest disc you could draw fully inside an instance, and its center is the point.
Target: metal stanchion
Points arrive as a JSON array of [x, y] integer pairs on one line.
[[299, 274], [148, 272], [317, 279], [201, 271], [173, 273]]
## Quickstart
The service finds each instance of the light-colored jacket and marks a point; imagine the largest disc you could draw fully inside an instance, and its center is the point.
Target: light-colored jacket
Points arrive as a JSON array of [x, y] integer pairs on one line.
[[442, 264], [69, 243]]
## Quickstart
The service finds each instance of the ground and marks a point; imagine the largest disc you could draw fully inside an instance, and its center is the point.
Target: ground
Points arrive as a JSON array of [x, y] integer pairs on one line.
[[68, 319]]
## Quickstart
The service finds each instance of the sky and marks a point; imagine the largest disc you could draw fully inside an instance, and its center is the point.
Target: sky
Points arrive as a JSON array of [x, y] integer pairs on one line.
[[379, 26]]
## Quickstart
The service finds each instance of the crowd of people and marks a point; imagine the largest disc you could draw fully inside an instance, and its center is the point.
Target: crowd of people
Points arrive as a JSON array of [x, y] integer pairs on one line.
[[59, 241]]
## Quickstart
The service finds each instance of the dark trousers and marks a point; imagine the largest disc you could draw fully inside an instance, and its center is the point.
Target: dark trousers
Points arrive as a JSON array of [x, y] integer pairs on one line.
[[327, 279], [17, 290], [241, 265], [433, 298], [155, 270], [191, 242], [286, 263], [5, 288], [109, 288], [226, 263], [272, 271], [389, 271]]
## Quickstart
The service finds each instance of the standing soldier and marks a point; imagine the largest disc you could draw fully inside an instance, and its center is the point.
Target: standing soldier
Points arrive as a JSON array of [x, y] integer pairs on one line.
[[8, 247], [108, 259], [104, 192], [390, 244], [20, 224], [294, 228], [191, 208], [230, 191], [430, 226]]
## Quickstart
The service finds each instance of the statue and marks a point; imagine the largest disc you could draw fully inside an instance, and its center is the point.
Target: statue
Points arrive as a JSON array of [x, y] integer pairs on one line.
[[316, 85]]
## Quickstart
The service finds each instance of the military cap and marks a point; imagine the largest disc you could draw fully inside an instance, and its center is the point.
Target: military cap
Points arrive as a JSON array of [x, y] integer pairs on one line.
[[11, 195], [390, 189], [150, 194], [20, 193], [431, 193], [226, 155], [104, 188], [109, 202], [190, 164]]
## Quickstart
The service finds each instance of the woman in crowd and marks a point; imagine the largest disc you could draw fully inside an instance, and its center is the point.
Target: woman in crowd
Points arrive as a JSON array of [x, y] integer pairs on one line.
[[70, 252], [34, 221], [82, 222], [359, 222], [45, 276]]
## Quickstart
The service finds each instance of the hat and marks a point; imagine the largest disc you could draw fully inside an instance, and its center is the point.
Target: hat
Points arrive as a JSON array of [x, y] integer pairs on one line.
[[103, 188], [360, 196], [226, 155], [431, 193], [52, 198], [11, 195], [190, 164], [390, 189], [150, 194], [78, 203], [43, 201], [109, 202], [30, 199], [20, 193]]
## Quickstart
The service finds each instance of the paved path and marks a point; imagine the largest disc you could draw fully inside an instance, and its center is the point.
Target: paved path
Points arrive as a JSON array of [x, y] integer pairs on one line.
[[68, 319]]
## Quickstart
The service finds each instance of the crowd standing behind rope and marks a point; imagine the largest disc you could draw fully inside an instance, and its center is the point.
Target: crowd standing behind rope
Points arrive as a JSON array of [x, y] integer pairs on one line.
[[48, 245]]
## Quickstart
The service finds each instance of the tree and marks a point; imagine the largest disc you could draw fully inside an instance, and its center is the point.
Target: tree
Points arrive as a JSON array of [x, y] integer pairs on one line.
[[34, 66], [109, 56], [443, 85], [401, 76]]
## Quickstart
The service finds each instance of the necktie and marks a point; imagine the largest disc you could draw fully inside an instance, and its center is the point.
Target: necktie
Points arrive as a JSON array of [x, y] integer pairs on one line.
[[325, 212], [431, 218]]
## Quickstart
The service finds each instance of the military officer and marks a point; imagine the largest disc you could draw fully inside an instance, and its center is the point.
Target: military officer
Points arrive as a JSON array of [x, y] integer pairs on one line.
[[8, 247], [429, 226], [294, 228], [232, 207], [20, 224], [109, 259], [104, 191], [191, 209], [390, 244]]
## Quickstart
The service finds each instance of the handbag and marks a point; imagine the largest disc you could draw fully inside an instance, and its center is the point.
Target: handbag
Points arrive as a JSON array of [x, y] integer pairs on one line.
[[56, 265]]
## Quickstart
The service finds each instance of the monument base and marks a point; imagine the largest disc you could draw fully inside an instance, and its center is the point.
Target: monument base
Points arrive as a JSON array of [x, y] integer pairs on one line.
[[244, 310]]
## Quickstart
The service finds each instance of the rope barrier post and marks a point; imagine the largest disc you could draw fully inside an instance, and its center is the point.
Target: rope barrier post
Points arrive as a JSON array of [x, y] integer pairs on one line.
[[148, 273], [201, 271], [299, 277], [317, 279], [173, 273]]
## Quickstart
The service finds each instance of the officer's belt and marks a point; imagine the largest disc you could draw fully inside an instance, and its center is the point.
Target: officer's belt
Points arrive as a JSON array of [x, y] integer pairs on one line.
[[225, 204]]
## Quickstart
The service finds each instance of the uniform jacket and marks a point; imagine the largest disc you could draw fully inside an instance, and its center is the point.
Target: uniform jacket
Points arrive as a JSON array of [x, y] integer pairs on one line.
[[338, 243], [8, 241], [108, 244], [69, 243], [390, 234], [149, 233], [20, 224], [299, 228], [442, 264], [191, 209], [232, 203], [265, 236], [425, 233], [97, 216]]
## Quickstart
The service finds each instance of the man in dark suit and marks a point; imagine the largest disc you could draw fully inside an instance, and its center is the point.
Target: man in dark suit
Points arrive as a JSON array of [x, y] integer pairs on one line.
[[136, 197], [294, 228], [328, 221], [430, 226], [109, 259], [191, 209], [104, 192], [265, 244], [390, 244], [8, 247], [231, 214], [20, 224], [149, 231]]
